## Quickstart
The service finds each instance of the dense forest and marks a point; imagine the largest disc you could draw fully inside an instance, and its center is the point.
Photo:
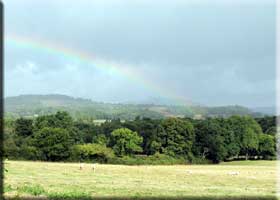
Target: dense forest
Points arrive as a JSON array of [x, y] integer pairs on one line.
[[58, 137]]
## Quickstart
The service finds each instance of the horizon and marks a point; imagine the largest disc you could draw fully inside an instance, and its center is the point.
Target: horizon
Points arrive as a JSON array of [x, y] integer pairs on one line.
[[136, 103], [209, 54]]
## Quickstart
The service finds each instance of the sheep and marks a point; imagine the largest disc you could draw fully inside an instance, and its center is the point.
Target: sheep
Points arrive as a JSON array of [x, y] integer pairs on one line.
[[189, 171], [233, 173], [81, 166], [93, 167]]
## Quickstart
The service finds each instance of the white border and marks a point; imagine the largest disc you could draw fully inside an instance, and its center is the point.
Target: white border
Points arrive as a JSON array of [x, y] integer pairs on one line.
[[277, 57]]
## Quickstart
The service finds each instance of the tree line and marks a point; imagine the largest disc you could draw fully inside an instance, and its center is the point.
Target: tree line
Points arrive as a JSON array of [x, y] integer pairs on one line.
[[58, 137]]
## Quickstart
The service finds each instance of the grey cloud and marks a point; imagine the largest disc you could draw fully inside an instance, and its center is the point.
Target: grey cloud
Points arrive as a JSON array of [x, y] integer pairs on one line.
[[213, 53]]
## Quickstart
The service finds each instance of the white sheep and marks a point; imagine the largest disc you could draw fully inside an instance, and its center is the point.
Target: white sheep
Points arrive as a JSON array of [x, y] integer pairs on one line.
[[233, 173], [93, 167], [81, 166]]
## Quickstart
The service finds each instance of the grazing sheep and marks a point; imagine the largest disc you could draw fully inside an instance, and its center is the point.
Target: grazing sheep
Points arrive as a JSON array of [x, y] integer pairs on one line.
[[189, 171], [81, 166], [233, 173]]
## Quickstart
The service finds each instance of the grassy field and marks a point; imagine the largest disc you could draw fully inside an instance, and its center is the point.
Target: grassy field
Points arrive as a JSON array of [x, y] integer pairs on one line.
[[234, 180]]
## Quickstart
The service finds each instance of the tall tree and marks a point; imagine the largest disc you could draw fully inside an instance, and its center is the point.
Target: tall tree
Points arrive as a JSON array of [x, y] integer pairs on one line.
[[125, 142], [247, 132], [176, 137], [53, 143], [267, 146], [210, 142]]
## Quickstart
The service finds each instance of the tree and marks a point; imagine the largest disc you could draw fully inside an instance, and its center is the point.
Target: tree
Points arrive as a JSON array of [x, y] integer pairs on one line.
[[268, 124], [247, 132], [217, 150], [61, 119], [24, 127], [146, 128], [109, 126], [53, 143], [230, 141], [210, 142], [250, 141], [176, 137], [87, 131], [100, 139], [267, 146], [271, 131], [125, 142]]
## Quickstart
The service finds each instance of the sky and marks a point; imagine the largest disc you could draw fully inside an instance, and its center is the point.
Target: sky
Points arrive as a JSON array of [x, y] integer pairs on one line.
[[213, 53]]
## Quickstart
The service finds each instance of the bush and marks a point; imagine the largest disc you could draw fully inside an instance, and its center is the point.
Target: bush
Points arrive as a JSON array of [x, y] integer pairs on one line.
[[92, 152], [29, 152], [11, 150]]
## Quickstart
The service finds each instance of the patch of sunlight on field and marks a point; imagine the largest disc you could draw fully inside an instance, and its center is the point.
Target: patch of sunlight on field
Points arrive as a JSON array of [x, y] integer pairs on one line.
[[241, 178]]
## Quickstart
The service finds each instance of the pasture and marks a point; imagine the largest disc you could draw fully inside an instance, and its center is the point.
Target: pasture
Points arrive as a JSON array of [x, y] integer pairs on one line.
[[232, 180]]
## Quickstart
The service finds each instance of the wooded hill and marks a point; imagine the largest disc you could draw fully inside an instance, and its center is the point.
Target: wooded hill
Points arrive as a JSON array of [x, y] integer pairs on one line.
[[38, 105]]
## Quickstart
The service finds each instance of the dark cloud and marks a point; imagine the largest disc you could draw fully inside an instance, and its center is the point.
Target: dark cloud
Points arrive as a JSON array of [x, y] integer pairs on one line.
[[211, 53]]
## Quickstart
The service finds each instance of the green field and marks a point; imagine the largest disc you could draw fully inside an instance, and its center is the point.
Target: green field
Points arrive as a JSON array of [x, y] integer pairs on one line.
[[234, 180]]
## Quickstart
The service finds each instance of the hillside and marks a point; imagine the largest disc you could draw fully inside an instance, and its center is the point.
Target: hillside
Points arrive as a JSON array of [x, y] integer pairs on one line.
[[32, 105], [266, 110]]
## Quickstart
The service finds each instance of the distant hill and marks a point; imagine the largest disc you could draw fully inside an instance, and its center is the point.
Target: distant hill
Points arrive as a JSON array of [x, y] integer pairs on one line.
[[33, 105], [266, 110]]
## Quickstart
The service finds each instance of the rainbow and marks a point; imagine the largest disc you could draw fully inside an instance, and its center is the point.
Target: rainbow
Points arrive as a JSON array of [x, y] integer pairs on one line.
[[118, 69]]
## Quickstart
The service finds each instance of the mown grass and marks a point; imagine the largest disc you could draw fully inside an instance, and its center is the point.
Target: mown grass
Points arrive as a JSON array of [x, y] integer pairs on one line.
[[255, 180]]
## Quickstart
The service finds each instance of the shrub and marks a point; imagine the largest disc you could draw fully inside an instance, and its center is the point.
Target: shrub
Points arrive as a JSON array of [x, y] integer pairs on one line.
[[11, 150], [92, 152], [29, 152]]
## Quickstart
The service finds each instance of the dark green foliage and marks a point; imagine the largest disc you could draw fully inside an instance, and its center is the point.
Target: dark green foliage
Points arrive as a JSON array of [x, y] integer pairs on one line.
[[125, 142], [268, 124], [58, 120], [23, 127], [175, 137], [29, 152], [92, 152], [267, 147], [109, 126], [210, 142], [58, 137], [146, 128], [53, 143], [87, 132], [247, 132], [100, 139], [230, 140], [11, 150]]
